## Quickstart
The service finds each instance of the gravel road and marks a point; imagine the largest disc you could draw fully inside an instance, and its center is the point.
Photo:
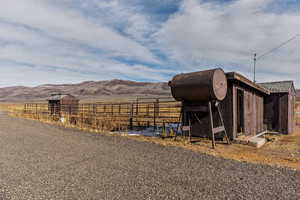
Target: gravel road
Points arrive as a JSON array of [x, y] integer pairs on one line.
[[41, 161]]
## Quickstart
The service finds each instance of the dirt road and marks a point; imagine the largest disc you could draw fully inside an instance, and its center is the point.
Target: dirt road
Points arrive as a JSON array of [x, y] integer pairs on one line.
[[40, 161]]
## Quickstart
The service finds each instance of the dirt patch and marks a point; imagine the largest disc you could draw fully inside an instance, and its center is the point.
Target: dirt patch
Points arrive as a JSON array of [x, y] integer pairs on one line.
[[280, 150]]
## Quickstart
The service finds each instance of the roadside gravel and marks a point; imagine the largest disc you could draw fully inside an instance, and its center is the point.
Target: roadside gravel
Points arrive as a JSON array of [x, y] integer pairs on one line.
[[41, 161]]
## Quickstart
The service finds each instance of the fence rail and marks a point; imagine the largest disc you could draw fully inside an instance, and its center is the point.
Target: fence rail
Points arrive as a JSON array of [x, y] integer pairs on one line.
[[108, 116], [105, 116]]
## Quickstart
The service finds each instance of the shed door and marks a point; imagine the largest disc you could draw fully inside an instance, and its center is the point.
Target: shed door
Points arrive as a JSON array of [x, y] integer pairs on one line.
[[240, 111]]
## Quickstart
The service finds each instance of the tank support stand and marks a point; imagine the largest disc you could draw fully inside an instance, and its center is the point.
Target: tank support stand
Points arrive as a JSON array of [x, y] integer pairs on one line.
[[217, 129], [186, 113]]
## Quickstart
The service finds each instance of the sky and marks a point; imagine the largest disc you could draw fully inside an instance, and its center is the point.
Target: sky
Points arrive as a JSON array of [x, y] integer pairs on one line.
[[70, 41]]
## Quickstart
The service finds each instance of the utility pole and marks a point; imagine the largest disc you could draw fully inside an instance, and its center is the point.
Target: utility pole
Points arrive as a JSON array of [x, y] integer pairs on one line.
[[254, 71], [269, 52]]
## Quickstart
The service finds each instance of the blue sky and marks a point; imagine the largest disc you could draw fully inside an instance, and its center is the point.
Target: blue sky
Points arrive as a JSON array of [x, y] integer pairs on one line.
[[69, 41]]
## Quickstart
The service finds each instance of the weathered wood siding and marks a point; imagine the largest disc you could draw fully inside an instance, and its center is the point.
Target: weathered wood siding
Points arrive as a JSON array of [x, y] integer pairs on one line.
[[279, 111], [253, 112], [291, 113]]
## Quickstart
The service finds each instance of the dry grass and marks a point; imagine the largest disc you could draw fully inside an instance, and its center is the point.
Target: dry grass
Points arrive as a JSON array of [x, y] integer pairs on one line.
[[281, 150], [101, 117]]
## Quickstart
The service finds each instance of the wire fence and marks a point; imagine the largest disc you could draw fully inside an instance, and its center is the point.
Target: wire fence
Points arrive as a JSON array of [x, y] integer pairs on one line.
[[105, 116]]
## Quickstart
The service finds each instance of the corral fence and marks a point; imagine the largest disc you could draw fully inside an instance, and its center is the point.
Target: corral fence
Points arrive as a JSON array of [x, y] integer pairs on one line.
[[143, 112], [104, 116]]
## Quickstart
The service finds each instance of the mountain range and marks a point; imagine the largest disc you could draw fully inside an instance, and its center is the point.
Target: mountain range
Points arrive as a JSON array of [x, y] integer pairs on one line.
[[88, 91]]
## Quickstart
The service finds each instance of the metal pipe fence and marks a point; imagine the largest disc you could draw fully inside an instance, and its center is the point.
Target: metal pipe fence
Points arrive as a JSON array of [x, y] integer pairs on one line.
[[106, 116]]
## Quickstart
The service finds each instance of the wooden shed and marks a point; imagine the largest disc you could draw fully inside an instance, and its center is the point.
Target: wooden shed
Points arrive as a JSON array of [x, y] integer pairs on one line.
[[279, 107], [242, 109], [62, 103]]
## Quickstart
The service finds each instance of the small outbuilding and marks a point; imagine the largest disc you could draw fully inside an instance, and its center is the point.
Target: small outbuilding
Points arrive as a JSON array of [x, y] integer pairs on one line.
[[279, 106], [242, 109], [62, 103]]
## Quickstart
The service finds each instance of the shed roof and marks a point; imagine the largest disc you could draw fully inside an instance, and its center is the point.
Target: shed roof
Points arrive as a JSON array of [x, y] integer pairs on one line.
[[243, 79], [57, 97], [279, 86]]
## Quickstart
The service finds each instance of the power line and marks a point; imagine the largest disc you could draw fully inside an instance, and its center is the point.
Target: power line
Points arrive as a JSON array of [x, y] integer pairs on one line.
[[269, 52], [278, 47]]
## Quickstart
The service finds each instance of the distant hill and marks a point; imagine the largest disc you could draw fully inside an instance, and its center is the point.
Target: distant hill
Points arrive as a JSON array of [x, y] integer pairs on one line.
[[90, 90]]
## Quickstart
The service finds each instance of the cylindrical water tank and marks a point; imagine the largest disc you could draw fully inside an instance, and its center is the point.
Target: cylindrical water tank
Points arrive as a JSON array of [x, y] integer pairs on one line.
[[199, 86]]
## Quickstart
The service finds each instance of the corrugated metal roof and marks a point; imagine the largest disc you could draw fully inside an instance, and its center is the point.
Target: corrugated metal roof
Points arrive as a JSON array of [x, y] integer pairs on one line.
[[279, 86]]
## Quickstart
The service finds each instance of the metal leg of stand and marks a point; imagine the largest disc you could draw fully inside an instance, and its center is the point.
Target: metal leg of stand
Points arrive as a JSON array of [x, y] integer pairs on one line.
[[221, 118], [180, 116], [212, 125], [190, 134]]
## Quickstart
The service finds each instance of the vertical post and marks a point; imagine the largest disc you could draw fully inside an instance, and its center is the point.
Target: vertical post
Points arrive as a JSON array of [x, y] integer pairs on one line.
[[157, 106], [147, 109], [137, 111], [190, 134], [222, 121], [179, 121], [137, 106], [131, 117], [254, 70], [154, 116], [95, 115], [212, 125]]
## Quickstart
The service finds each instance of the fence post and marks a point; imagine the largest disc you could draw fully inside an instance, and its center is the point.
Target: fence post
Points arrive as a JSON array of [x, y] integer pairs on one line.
[[131, 117], [156, 112], [137, 106], [95, 115], [36, 112], [154, 116]]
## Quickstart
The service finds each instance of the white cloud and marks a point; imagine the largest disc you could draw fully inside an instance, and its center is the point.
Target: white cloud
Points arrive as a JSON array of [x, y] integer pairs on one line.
[[56, 41], [41, 43], [67, 24], [228, 35]]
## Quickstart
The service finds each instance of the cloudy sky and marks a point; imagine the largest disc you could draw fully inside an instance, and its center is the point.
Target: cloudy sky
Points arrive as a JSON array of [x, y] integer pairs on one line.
[[68, 41]]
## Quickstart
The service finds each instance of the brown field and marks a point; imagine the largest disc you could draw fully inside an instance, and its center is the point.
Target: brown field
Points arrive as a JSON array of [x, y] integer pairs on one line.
[[281, 150]]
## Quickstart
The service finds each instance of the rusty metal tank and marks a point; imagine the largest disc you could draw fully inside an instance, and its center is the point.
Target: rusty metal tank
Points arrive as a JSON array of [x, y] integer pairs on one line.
[[199, 86]]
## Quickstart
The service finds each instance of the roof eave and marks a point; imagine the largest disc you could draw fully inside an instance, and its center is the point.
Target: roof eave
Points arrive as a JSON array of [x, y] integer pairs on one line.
[[241, 78]]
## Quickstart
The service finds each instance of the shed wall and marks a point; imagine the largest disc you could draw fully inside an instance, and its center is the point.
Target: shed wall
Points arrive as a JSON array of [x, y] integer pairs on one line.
[[253, 114], [279, 112]]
